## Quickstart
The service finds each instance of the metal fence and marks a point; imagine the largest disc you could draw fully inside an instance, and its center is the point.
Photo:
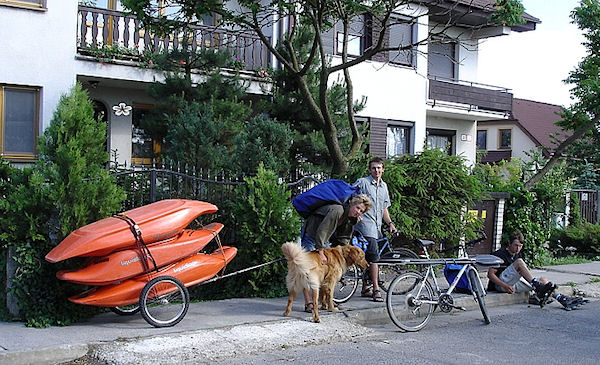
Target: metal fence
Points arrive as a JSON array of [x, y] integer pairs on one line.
[[147, 185], [588, 204]]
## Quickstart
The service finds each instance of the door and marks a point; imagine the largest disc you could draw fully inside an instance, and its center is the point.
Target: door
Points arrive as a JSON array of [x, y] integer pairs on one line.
[[487, 211]]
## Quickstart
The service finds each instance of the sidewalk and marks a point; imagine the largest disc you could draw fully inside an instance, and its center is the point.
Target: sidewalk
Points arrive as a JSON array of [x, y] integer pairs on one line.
[[244, 318]]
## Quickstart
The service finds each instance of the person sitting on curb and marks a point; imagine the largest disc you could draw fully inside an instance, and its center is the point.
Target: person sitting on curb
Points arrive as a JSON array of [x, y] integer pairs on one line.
[[514, 276], [327, 221]]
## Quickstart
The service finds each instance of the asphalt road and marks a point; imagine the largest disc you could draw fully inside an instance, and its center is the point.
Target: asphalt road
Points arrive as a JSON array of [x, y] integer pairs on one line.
[[518, 334]]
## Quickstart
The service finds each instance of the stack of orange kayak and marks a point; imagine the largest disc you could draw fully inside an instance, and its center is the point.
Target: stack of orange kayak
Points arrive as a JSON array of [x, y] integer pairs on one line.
[[120, 268]]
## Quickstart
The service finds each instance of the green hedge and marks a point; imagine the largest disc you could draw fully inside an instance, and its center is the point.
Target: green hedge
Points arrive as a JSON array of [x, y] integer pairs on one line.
[[584, 237]]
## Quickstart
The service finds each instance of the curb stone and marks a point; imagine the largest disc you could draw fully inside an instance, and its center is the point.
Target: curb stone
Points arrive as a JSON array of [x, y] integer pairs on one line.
[[50, 356]]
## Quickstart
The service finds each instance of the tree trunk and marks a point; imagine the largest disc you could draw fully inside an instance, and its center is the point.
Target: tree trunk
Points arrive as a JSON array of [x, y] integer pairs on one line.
[[558, 152]]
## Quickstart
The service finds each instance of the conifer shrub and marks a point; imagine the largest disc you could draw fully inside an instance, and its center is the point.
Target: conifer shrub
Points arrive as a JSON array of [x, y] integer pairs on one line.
[[263, 219]]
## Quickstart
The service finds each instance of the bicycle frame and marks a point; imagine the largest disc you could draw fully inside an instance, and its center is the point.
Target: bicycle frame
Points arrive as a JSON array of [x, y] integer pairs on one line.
[[412, 300]]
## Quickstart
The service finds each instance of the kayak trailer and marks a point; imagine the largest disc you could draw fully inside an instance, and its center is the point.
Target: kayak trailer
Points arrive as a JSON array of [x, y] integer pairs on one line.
[[143, 260]]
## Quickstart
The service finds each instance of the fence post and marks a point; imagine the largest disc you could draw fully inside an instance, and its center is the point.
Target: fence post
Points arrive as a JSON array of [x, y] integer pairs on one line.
[[597, 207], [152, 185]]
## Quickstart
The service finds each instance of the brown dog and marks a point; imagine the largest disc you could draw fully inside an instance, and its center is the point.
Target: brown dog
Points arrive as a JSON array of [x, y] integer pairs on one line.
[[305, 271]]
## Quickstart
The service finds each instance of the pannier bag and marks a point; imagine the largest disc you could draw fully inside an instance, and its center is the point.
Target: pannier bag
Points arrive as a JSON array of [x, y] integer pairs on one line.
[[359, 241], [450, 272], [328, 192]]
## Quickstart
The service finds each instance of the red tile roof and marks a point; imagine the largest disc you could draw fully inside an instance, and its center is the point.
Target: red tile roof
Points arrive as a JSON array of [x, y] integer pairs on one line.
[[537, 120]]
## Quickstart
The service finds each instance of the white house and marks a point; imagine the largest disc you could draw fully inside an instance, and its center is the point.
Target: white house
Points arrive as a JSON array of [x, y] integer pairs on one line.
[[530, 126], [427, 96]]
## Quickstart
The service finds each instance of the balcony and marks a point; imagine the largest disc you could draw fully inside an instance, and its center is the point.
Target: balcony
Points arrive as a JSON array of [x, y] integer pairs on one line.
[[100, 29], [470, 96]]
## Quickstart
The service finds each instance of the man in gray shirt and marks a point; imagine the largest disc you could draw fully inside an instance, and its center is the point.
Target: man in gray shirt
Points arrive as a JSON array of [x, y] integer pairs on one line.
[[370, 225]]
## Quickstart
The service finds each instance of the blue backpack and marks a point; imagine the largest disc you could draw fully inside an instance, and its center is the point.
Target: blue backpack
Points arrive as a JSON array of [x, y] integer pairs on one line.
[[327, 192]]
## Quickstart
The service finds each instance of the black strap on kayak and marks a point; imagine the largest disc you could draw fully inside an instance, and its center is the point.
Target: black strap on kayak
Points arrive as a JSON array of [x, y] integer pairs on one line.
[[141, 245]]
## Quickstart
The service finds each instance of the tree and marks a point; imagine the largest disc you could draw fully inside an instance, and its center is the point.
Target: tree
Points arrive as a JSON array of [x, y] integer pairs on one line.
[[584, 114], [73, 159], [197, 122], [320, 16]]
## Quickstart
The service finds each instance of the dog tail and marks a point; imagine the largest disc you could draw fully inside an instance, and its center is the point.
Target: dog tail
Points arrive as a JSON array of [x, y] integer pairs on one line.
[[295, 254], [299, 266]]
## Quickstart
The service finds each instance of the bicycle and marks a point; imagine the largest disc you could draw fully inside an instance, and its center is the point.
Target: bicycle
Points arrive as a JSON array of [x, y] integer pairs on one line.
[[348, 283], [412, 299]]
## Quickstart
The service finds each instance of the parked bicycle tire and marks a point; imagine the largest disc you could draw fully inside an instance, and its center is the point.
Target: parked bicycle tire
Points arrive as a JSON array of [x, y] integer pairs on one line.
[[478, 291], [164, 301], [403, 301], [126, 310], [346, 287], [387, 273]]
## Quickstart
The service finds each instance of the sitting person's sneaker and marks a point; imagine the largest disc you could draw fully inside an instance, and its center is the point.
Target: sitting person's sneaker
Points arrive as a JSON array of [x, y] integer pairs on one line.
[[543, 291], [533, 299]]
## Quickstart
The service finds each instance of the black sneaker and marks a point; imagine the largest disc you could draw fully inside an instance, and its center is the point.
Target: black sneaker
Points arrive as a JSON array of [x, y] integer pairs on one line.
[[543, 291], [533, 299]]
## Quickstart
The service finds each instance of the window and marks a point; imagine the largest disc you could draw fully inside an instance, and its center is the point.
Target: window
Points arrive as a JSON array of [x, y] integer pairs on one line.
[[441, 139], [35, 4], [19, 119], [142, 145], [356, 36], [441, 60], [482, 139], [505, 138], [402, 33], [398, 140]]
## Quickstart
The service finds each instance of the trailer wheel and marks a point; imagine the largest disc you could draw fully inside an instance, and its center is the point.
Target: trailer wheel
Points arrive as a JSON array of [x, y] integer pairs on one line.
[[164, 301]]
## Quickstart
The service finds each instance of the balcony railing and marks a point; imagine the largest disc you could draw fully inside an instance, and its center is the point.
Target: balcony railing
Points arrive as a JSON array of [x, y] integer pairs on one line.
[[480, 97], [102, 27]]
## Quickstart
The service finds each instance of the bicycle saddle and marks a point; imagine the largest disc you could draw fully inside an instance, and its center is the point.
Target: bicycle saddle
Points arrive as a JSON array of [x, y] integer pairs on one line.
[[424, 242], [488, 260]]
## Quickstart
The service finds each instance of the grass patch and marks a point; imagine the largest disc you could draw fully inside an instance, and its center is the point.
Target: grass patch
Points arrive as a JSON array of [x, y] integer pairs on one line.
[[566, 260], [595, 280]]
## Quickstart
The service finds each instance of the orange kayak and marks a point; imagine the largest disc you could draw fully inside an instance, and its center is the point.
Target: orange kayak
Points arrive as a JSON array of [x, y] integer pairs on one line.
[[122, 265], [191, 271], [157, 221]]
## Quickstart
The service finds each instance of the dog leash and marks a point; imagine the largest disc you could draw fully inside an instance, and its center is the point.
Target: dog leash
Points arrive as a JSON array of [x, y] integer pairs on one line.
[[242, 271]]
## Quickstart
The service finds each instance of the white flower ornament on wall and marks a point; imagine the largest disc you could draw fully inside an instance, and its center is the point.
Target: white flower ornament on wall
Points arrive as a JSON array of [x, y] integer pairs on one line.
[[122, 109]]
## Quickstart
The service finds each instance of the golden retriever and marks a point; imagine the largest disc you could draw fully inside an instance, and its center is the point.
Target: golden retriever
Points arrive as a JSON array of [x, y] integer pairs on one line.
[[305, 271]]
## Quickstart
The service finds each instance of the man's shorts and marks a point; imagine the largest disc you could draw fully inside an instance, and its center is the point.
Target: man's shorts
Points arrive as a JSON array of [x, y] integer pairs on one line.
[[372, 253], [511, 277]]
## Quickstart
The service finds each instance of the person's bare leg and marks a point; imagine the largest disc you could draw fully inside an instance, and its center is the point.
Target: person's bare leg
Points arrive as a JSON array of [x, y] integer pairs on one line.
[[373, 270], [524, 271]]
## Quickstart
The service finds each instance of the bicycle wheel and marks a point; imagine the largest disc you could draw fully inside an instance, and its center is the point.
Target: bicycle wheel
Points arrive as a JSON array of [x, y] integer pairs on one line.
[[479, 294], [346, 287], [387, 273], [405, 301], [126, 310], [164, 301]]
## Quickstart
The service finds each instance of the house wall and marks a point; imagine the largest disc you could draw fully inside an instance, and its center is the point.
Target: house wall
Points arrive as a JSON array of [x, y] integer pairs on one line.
[[465, 129], [520, 143], [119, 139], [50, 34], [393, 92]]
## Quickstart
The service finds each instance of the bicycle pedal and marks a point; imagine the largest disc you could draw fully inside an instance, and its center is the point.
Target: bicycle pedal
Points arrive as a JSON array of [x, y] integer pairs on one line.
[[460, 308]]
